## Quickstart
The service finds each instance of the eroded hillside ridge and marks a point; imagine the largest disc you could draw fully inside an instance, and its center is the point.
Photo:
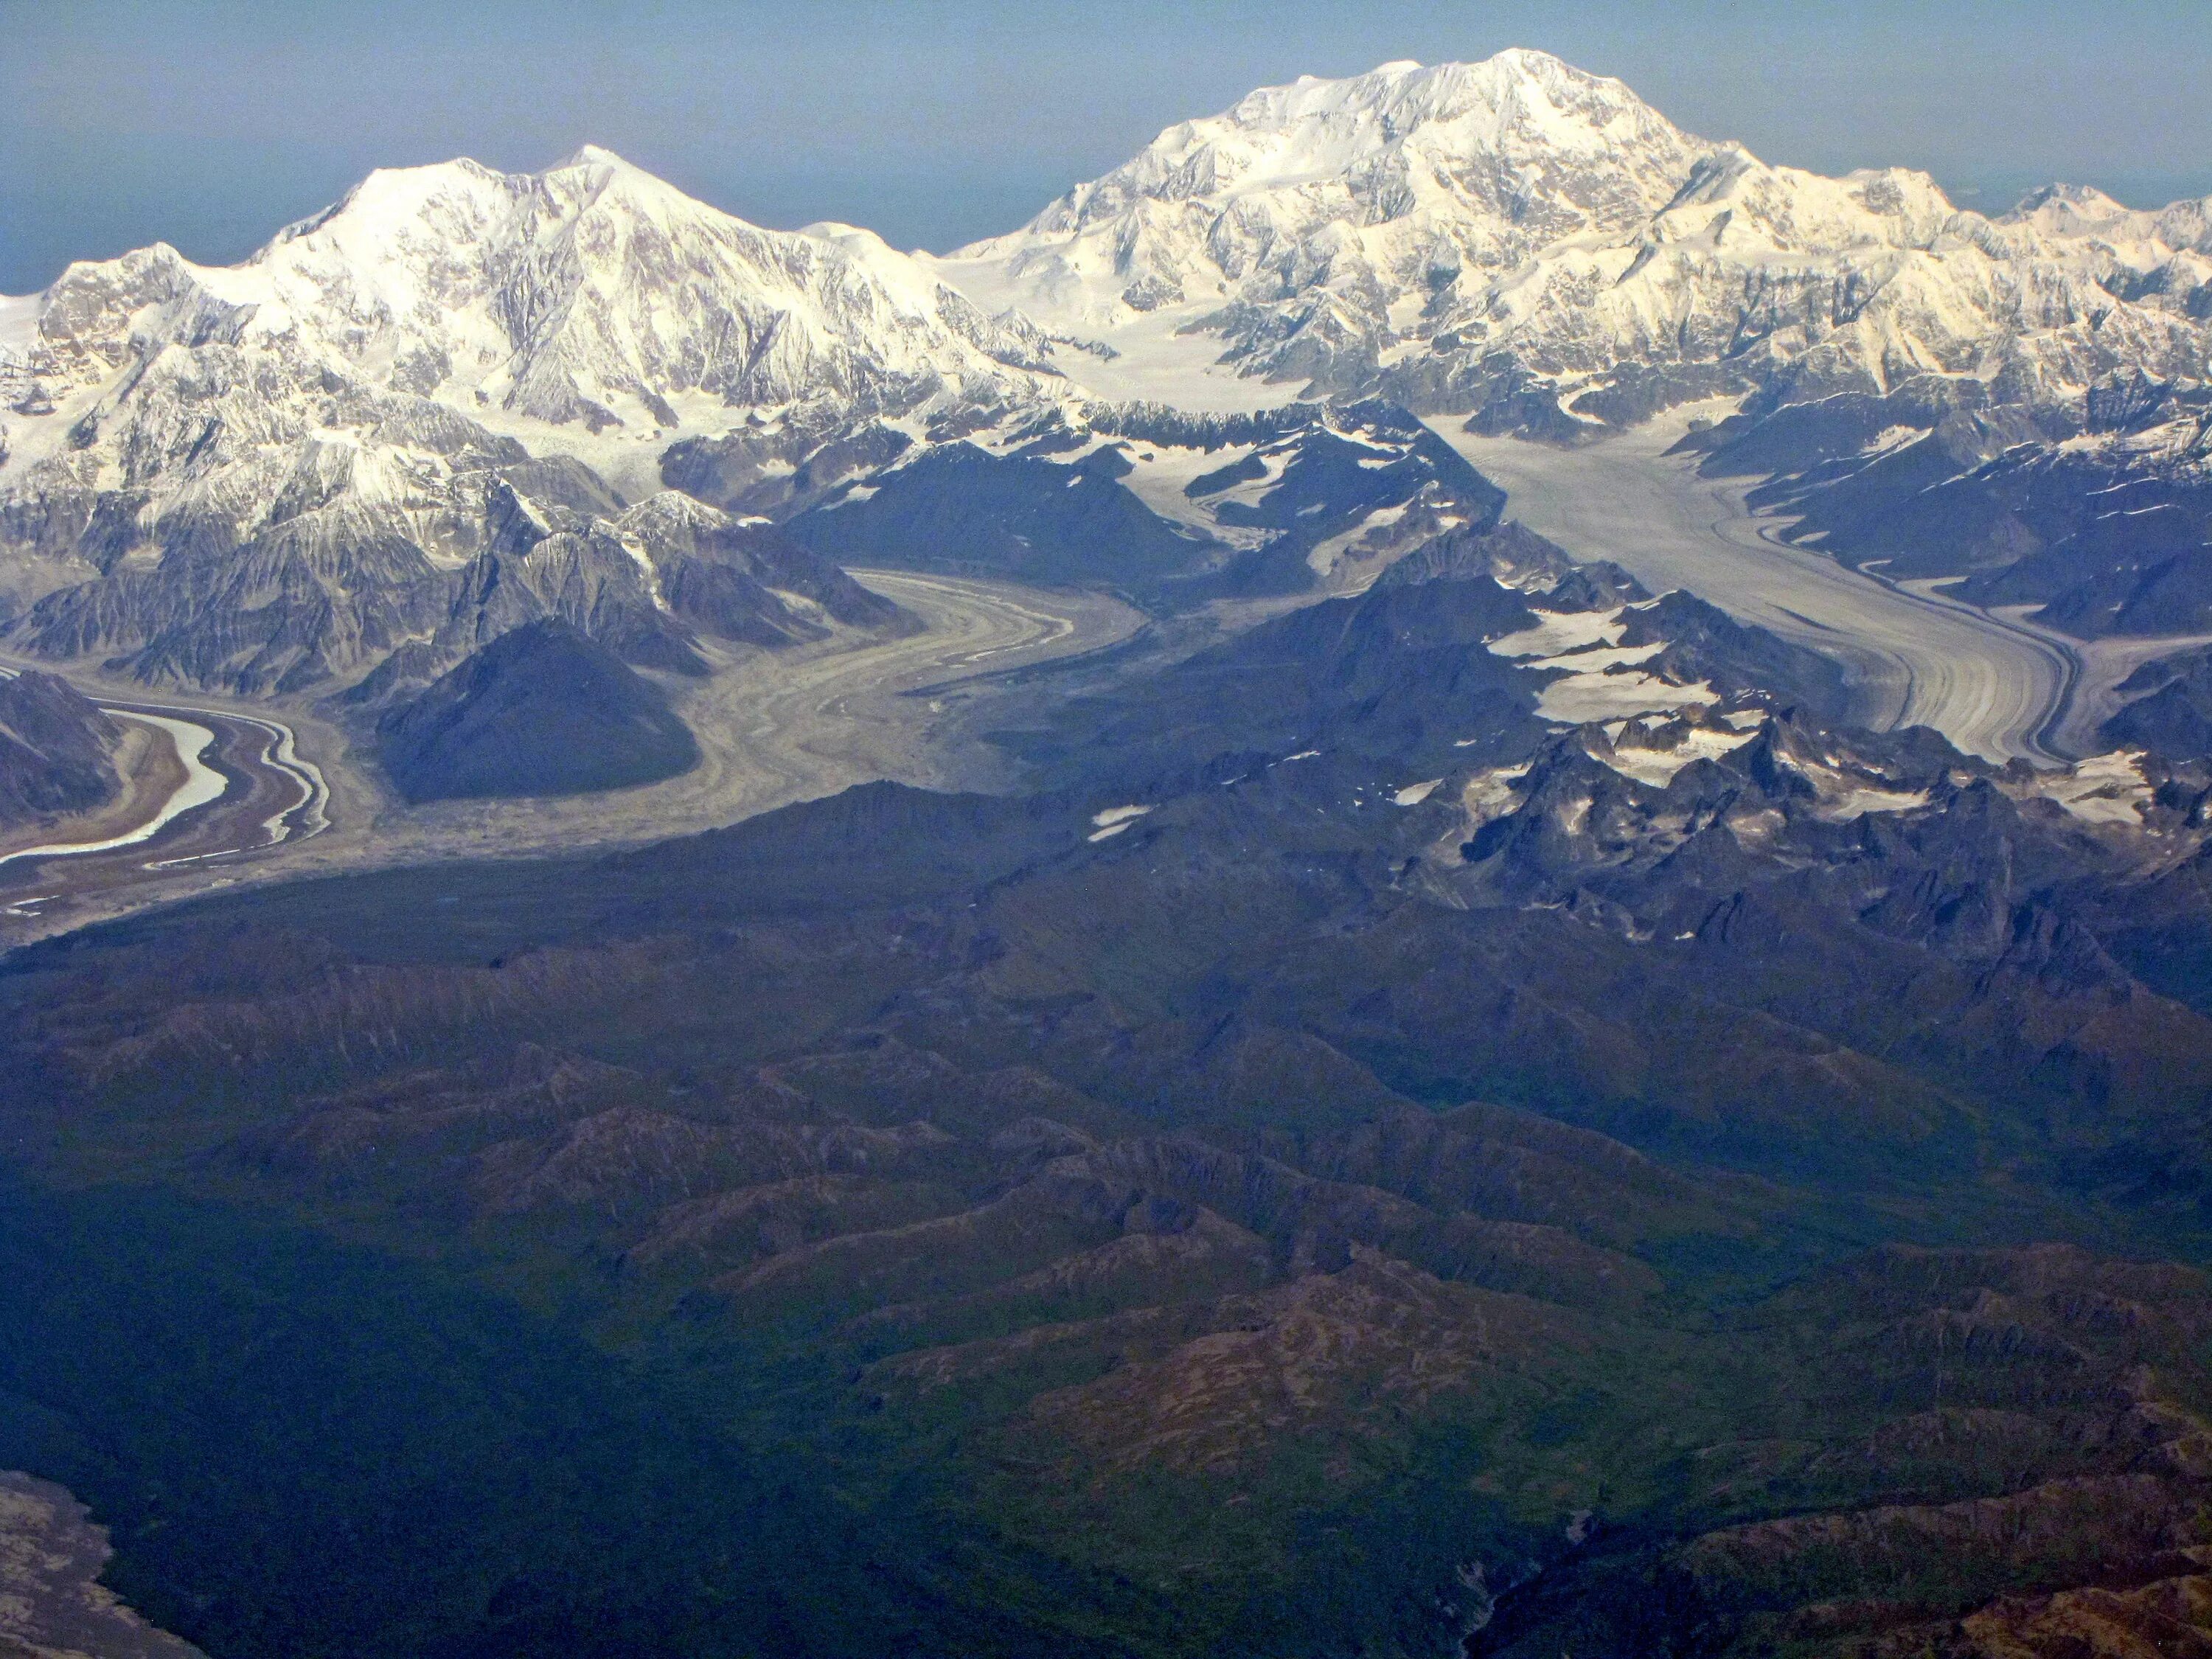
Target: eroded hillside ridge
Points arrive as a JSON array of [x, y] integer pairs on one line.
[[56, 751]]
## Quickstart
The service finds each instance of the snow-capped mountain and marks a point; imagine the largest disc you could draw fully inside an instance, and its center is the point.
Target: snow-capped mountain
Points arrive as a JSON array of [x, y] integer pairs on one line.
[[1535, 245], [1404, 174], [589, 300], [271, 475], [592, 294], [325, 427]]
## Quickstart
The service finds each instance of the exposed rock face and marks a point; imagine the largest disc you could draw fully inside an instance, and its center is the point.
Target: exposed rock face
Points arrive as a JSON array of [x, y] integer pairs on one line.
[[56, 751], [2171, 709], [1512, 554], [746, 578], [539, 711], [339, 594], [781, 465], [649, 583]]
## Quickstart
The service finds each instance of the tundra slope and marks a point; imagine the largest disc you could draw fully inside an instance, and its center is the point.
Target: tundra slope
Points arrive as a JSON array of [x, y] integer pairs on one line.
[[1415, 1184]]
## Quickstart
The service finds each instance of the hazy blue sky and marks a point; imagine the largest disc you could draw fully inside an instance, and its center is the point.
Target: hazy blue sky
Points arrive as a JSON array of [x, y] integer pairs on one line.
[[210, 123]]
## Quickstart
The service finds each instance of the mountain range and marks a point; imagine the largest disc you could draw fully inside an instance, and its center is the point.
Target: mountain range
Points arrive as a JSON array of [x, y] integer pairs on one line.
[[1463, 1119], [263, 477], [1462, 1092]]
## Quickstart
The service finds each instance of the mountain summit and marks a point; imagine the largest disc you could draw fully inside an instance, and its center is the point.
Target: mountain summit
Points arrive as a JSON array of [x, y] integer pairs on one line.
[[590, 293], [204, 472], [1415, 172], [1536, 244]]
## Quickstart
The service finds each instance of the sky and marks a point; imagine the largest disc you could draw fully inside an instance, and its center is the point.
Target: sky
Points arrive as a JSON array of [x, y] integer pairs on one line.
[[208, 124]]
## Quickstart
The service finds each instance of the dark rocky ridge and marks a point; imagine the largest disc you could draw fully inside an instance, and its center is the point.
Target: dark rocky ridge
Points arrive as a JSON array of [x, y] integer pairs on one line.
[[2170, 708], [542, 710], [1030, 514], [56, 750], [962, 509]]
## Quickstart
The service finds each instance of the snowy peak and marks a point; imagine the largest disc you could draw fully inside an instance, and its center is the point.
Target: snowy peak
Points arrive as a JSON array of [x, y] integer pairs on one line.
[[2061, 202], [592, 155], [2083, 213], [1461, 119], [592, 294], [1535, 247], [1497, 154], [1355, 203]]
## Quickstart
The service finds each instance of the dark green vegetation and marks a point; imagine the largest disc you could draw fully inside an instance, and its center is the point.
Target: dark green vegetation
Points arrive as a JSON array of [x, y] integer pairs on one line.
[[542, 710], [1600, 1205]]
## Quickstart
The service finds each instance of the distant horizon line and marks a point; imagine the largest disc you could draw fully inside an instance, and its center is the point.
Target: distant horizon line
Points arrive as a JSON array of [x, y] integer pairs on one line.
[[962, 200], [1974, 193]]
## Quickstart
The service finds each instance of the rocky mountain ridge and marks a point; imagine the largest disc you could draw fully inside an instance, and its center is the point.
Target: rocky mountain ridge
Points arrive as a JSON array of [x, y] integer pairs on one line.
[[542, 710], [2105, 530]]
